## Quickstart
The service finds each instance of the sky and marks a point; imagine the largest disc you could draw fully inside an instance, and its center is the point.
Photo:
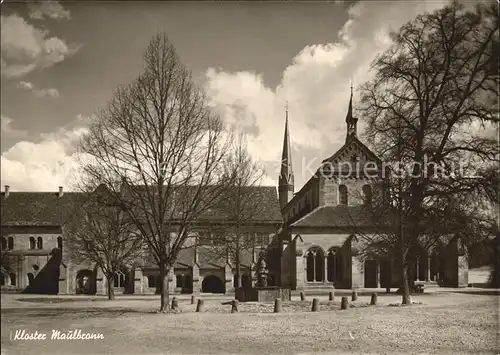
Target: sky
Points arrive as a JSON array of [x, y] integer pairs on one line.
[[61, 62]]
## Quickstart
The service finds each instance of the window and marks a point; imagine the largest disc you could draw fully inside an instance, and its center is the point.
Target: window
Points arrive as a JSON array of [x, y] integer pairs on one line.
[[39, 243], [11, 243], [32, 243], [343, 195], [4, 243], [179, 279], [152, 281], [119, 279], [367, 194], [334, 265], [59, 243], [315, 265]]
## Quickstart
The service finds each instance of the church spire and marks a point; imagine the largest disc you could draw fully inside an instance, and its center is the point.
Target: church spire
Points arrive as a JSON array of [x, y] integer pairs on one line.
[[351, 120], [286, 178]]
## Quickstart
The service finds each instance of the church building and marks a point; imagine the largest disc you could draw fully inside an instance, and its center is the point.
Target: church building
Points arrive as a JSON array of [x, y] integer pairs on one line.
[[318, 246]]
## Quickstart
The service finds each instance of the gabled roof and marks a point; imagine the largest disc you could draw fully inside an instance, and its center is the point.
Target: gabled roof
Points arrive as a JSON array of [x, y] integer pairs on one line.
[[39, 208], [353, 140], [335, 216]]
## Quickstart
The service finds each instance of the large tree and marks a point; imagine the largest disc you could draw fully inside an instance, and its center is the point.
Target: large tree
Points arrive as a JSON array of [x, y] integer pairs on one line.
[[159, 150], [103, 234], [438, 80]]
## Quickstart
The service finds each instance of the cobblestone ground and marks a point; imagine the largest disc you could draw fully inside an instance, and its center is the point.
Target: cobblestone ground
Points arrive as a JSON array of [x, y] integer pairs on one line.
[[442, 322]]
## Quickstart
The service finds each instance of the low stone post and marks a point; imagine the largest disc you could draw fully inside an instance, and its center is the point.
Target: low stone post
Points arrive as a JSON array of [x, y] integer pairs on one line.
[[331, 296], [175, 303], [373, 300], [277, 305], [193, 299], [354, 296], [302, 296], [234, 306], [344, 303], [315, 305], [200, 306]]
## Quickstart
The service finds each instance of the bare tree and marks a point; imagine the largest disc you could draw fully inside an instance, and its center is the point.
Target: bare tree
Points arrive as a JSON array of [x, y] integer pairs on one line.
[[159, 150], [242, 206], [104, 234], [439, 77]]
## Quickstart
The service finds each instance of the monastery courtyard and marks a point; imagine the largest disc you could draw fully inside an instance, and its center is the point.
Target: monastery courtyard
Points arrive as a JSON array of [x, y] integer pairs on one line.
[[454, 321]]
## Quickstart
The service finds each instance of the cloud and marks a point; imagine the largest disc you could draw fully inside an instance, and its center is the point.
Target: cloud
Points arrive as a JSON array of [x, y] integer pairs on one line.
[[9, 131], [26, 48], [49, 92], [45, 165], [40, 10], [316, 85]]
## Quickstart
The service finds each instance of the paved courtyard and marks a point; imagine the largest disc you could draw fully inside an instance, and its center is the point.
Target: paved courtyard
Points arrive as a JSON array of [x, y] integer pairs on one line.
[[443, 322]]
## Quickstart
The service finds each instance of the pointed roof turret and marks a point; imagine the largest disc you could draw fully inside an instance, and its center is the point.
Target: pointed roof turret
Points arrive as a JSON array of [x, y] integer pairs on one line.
[[286, 156], [351, 121]]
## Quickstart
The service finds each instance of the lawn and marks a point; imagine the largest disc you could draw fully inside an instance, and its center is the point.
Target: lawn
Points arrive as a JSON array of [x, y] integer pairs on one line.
[[442, 323]]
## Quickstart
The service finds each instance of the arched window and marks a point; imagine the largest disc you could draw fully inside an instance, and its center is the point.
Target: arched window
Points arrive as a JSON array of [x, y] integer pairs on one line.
[[59, 243], [343, 195], [39, 243], [367, 194], [32, 243], [4, 243], [315, 265], [11, 243], [334, 265]]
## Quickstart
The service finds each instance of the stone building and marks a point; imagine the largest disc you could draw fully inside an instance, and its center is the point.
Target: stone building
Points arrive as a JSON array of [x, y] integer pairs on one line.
[[317, 246], [35, 257]]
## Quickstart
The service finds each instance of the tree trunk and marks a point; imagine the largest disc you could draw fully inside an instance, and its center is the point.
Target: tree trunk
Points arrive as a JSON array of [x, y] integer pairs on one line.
[[238, 267], [405, 287], [164, 294], [111, 289]]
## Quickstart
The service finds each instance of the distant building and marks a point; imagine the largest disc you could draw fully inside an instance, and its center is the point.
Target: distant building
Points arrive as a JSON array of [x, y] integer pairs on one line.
[[35, 257]]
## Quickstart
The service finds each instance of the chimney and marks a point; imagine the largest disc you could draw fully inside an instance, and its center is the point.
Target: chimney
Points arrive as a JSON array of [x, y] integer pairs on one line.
[[7, 190], [60, 191]]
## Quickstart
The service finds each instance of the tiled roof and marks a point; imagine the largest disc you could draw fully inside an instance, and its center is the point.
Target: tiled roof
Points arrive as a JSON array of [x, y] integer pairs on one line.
[[47, 208], [264, 205], [39, 208], [335, 216]]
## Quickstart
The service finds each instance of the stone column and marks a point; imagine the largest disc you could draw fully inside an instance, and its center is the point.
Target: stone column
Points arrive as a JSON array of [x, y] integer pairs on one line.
[[228, 278], [378, 273], [357, 272], [325, 277], [196, 279], [138, 281], [428, 278]]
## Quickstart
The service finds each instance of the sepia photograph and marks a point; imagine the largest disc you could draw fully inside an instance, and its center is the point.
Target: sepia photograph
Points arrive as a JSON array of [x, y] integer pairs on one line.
[[250, 177]]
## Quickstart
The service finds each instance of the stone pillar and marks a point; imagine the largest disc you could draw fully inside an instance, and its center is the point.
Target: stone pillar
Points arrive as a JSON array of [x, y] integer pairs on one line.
[[171, 279], [138, 281], [300, 272], [378, 273], [100, 282], [463, 271], [325, 278], [228, 278], [357, 272], [63, 279], [196, 279], [428, 278]]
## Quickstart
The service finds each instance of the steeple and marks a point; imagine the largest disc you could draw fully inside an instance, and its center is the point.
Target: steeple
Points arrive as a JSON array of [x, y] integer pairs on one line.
[[351, 121], [286, 178]]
